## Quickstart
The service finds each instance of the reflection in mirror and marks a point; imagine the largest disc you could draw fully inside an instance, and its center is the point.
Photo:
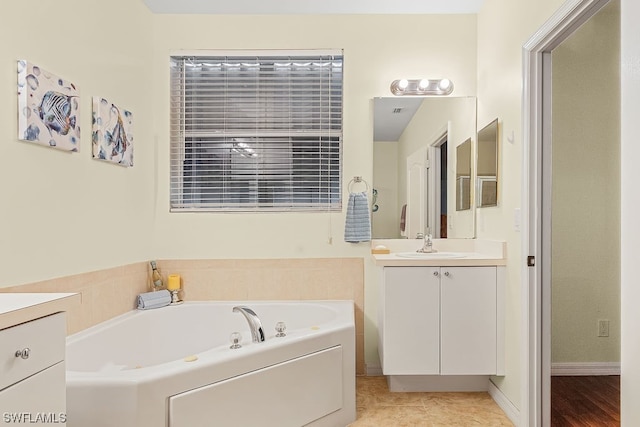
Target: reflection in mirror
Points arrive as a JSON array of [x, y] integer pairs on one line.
[[413, 140], [487, 166], [463, 176]]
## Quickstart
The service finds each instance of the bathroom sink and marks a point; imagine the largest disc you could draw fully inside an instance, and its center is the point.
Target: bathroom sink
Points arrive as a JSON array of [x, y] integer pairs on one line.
[[431, 255]]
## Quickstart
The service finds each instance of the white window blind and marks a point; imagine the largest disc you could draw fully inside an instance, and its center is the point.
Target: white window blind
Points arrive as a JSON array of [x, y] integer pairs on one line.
[[256, 132]]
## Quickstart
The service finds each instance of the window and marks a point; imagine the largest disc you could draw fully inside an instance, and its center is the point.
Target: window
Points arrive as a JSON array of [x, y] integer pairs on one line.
[[256, 132]]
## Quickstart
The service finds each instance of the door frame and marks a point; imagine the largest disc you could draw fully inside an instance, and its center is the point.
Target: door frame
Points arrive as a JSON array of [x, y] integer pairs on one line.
[[434, 193], [536, 191]]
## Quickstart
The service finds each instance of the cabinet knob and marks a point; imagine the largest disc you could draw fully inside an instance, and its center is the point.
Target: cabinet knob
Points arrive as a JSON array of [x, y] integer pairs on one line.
[[436, 274], [24, 353], [446, 273]]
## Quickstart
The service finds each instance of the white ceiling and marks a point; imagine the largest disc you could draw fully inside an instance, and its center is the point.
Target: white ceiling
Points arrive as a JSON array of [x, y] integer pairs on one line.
[[392, 115], [288, 7]]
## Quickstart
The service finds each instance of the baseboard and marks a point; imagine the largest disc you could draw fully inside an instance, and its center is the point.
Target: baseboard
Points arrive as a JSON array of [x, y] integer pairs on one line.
[[373, 370], [504, 403], [585, 368], [438, 383]]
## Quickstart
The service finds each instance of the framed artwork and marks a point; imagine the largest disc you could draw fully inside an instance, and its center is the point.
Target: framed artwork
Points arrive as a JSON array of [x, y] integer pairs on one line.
[[48, 108], [112, 133]]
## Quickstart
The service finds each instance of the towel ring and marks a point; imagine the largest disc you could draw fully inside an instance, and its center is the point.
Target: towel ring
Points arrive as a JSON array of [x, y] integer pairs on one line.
[[356, 180]]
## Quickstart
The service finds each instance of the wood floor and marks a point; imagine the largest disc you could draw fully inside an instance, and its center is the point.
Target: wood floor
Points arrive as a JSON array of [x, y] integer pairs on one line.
[[585, 401]]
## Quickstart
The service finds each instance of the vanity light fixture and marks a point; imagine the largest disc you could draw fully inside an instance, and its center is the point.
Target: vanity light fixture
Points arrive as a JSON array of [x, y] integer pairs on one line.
[[414, 87]]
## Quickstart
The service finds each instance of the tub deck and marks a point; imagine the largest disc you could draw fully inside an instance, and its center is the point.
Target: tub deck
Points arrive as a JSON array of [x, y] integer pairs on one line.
[[121, 373]]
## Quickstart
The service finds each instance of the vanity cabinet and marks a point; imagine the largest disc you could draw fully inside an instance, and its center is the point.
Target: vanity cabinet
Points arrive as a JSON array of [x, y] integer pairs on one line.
[[440, 321], [32, 373]]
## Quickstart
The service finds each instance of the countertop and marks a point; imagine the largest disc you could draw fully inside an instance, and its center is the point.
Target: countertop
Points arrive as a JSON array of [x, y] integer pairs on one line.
[[471, 259], [476, 253], [16, 308]]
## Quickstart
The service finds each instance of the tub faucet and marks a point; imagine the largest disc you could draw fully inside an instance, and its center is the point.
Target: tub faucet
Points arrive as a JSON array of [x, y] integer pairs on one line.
[[257, 333]]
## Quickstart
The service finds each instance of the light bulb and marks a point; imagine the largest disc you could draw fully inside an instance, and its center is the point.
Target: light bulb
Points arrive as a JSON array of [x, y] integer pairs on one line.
[[444, 84], [402, 84], [424, 83]]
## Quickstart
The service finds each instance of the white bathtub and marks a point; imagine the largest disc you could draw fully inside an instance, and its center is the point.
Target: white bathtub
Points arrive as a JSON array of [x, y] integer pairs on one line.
[[133, 370]]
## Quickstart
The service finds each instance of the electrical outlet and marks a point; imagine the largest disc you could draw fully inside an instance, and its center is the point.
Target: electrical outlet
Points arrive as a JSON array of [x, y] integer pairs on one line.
[[603, 328]]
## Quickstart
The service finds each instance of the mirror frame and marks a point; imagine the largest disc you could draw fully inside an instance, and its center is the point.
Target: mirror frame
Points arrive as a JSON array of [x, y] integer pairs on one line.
[[492, 182], [464, 200]]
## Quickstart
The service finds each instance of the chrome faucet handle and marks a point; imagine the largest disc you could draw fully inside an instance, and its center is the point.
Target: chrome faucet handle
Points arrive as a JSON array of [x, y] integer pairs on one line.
[[280, 328], [235, 338], [427, 245]]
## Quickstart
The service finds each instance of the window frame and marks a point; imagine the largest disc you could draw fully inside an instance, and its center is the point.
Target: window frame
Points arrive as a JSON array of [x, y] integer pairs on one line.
[[327, 137]]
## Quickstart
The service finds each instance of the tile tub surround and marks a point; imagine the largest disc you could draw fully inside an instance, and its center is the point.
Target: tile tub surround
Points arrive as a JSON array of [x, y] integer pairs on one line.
[[276, 279], [107, 293], [103, 294]]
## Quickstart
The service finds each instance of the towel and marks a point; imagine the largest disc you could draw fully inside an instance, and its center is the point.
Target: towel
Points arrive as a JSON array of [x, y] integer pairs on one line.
[[357, 227], [155, 299]]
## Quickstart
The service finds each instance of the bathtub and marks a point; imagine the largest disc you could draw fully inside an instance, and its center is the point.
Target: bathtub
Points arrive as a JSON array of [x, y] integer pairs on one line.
[[173, 367]]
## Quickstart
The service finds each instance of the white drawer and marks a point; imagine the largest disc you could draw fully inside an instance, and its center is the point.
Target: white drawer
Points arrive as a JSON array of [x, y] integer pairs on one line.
[[45, 339], [41, 394]]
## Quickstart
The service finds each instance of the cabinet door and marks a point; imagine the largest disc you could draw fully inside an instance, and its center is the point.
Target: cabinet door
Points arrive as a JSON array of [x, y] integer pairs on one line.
[[468, 316], [411, 321]]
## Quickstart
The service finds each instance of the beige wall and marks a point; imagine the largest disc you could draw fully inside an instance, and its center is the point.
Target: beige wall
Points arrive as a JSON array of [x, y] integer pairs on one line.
[[503, 28], [586, 192], [377, 50], [435, 115], [65, 213], [385, 223]]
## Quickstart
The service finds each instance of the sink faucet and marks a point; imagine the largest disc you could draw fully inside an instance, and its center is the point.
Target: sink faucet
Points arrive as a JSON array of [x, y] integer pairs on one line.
[[257, 333], [427, 247]]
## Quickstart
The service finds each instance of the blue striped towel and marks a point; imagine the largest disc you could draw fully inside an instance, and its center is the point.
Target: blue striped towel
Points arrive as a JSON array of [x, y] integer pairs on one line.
[[357, 227]]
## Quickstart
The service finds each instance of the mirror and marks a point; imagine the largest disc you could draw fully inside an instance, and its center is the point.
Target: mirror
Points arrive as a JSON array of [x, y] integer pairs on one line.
[[463, 176], [415, 152], [487, 166]]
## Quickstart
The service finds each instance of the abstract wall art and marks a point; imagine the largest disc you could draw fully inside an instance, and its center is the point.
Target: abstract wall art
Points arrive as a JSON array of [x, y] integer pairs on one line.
[[48, 108], [112, 133]]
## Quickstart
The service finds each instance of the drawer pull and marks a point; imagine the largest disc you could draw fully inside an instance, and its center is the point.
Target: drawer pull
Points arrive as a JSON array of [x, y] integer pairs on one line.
[[24, 353]]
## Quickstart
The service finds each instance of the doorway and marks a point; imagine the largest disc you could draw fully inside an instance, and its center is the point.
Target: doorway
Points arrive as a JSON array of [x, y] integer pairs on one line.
[[585, 201], [438, 189], [555, 170]]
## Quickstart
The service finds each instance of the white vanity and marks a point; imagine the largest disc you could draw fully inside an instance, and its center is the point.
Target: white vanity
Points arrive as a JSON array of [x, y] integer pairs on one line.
[[441, 316], [32, 349]]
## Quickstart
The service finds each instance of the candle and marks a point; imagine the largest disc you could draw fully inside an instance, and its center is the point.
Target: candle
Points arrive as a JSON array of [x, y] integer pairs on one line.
[[173, 282]]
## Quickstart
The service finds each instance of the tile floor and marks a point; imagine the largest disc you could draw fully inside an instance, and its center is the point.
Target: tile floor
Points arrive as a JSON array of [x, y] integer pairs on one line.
[[378, 407]]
